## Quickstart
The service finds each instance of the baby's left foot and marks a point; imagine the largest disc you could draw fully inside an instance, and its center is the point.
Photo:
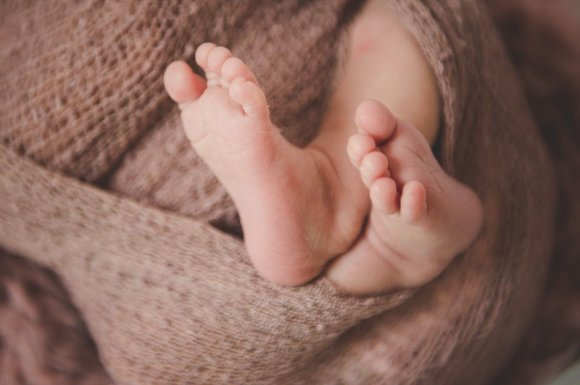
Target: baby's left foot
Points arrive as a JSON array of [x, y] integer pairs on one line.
[[420, 218], [293, 222]]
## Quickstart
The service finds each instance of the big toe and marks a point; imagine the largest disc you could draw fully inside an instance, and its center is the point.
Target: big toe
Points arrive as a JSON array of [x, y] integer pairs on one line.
[[376, 120], [181, 83]]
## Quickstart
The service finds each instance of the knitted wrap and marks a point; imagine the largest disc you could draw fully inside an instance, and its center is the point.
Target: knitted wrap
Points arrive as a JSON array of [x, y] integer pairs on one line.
[[100, 185]]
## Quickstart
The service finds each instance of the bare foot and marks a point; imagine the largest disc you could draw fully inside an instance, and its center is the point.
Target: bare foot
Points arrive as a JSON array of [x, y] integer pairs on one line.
[[421, 218], [300, 207], [292, 222]]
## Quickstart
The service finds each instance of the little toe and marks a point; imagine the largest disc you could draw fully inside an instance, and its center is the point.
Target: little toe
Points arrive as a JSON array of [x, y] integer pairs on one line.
[[383, 194], [234, 68], [358, 146], [202, 52], [252, 99], [373, 166], [413, 201], [181, 83], [375, 119]]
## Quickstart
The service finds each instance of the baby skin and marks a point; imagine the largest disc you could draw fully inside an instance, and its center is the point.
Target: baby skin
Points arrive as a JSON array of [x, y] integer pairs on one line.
[[366, 203]]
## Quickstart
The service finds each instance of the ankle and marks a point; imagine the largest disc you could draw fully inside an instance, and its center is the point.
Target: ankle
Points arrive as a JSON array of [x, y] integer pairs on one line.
[[341, 200]]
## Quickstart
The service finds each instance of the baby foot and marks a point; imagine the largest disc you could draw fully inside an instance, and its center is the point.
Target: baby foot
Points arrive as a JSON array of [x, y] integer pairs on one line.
[[295, 210], [276, 187], [226, 117], [420, 218]]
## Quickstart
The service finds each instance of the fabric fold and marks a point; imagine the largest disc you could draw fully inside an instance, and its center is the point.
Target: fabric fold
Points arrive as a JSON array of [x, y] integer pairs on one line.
[[170, 299], [158, 266]]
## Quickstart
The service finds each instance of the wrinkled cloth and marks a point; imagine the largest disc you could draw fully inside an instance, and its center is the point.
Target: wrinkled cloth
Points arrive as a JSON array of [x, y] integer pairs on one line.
[[543, 44], [100, 186]]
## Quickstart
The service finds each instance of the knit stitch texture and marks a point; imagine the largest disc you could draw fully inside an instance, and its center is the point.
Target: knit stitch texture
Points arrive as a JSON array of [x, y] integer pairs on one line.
[[99, 185]]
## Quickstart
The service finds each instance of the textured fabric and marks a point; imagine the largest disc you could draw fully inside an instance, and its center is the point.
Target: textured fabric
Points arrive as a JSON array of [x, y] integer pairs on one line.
[[543, 43], [167, 297], [35, 312]]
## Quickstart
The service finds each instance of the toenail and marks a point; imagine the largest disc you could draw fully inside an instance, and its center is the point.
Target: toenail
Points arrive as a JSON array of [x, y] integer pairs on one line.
[[239, 82]]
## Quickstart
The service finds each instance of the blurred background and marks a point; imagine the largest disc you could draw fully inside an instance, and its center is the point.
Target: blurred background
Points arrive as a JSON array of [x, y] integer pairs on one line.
[[572, 375], [543, 41], [569, 377]]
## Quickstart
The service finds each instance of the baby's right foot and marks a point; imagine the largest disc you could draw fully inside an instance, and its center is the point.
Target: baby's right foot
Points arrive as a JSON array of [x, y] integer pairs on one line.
[[421, 218]]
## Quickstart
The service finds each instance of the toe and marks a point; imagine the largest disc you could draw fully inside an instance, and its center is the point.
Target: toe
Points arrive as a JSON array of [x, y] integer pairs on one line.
[[383, 194], [373, 166], [252, 99], [181, 83], [413, 201], [216, 58], [234, 68], [202, 53], [358, 146], [373, 118], [211, 59]]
